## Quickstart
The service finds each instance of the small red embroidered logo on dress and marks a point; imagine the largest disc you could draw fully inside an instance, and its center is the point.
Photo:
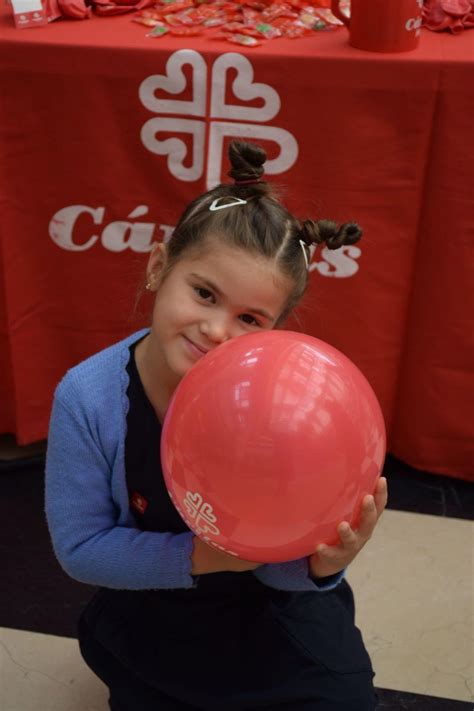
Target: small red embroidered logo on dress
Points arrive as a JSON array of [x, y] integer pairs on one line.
[[138, 502]]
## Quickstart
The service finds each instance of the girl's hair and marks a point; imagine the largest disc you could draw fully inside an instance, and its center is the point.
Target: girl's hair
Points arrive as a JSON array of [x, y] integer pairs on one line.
[[262, 225]]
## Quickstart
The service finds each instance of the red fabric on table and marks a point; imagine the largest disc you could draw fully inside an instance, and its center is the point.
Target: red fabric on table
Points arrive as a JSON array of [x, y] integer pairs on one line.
[[436, 383], [378, 137], [7, 398]]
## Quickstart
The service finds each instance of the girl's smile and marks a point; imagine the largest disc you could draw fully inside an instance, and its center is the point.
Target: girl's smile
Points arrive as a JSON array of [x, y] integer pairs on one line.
[[195, 350]]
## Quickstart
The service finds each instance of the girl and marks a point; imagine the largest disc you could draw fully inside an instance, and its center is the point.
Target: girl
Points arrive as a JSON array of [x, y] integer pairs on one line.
[[178, 625]]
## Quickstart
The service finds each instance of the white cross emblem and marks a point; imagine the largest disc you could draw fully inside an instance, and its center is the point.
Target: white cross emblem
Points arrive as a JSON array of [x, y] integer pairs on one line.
[[201, 513], [224, 118]]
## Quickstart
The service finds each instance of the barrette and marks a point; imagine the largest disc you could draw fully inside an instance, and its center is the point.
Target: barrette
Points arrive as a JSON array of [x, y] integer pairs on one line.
[[303, 247], [236, 201]]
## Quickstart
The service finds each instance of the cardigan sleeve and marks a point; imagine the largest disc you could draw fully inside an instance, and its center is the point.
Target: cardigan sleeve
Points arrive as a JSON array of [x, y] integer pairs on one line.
[[83, 518], [294, 575]]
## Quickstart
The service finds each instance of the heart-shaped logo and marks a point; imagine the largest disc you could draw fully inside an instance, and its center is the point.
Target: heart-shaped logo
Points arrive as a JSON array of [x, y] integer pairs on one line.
[[175, 148], [174, 82], [244, 88], [207, 513], [220, 129], [193, 502]]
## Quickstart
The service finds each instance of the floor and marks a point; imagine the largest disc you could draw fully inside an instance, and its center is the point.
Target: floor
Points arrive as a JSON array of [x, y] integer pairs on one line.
[[413, 585]]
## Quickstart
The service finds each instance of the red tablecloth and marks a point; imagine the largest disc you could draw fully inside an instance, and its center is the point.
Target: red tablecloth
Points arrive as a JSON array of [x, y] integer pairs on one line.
[[86, 187]]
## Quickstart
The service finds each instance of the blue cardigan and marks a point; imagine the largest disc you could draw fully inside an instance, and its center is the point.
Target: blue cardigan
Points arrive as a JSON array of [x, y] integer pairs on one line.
[[94, 534]]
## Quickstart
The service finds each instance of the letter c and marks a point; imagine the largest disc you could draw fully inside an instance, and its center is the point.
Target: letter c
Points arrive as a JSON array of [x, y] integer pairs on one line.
[[62, 225]]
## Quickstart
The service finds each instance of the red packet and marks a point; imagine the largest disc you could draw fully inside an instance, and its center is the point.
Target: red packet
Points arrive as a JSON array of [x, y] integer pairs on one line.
[[268, 31], [278, 10], [244, 40], [176, 5], [328, 17], [172, 20], [216, 21], [28, 13], [185, 31], [250, 16], [158, 31], [234, 26], [146, 21]]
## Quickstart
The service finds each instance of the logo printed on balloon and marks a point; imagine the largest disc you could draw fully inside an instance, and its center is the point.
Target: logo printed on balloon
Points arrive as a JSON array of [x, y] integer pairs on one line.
[[243, 88], [201, 512]]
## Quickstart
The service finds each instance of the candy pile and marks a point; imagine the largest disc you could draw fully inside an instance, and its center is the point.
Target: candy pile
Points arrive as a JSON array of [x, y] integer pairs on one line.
[[246, 22]]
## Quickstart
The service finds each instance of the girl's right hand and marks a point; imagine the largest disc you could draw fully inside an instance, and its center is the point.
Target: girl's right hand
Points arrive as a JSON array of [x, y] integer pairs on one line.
[[206, 559]]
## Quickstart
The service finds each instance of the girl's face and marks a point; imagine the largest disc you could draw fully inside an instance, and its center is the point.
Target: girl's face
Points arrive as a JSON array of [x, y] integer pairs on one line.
[[206, 299]]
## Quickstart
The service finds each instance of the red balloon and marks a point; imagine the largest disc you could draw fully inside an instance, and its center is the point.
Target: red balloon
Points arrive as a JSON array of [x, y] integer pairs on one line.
[[269, 442]]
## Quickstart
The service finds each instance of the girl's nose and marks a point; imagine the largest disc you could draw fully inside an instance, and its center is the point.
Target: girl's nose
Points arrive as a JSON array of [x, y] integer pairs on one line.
[[216, 329]]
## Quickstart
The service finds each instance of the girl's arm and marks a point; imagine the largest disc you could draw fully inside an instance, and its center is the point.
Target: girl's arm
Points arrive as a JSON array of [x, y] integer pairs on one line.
[[93, 543]]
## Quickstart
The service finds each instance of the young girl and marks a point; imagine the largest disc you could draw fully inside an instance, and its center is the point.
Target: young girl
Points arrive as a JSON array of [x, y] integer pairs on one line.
[[178, 625]]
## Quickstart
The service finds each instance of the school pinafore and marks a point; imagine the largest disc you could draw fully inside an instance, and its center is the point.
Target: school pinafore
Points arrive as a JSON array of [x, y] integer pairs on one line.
[[228, 644]]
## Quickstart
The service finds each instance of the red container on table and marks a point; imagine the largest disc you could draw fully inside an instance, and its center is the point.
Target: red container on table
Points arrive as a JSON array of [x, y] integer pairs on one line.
[[382, 25]]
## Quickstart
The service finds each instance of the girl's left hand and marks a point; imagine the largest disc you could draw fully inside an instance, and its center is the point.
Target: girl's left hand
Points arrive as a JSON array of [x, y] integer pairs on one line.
[[329, 560]]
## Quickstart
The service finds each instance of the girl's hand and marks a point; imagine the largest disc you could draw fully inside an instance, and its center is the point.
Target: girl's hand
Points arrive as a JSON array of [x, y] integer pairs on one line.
[[207, 559], [329, 560]]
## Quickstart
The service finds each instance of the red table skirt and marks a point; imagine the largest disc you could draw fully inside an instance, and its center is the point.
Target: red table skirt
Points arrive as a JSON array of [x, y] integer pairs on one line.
[[385, 140]]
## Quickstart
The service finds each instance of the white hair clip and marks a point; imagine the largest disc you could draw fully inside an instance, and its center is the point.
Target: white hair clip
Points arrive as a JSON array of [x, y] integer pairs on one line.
[[303, 247], [236, 201]]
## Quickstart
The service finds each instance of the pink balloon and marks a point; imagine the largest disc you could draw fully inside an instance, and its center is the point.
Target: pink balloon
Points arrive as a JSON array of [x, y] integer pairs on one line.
[[269, 442]]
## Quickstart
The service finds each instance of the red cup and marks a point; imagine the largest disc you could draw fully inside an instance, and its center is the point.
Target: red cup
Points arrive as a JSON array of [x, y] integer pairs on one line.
[[382, 25]]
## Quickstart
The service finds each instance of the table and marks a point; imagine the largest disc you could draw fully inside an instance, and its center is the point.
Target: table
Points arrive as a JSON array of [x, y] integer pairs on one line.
[[87, 187]]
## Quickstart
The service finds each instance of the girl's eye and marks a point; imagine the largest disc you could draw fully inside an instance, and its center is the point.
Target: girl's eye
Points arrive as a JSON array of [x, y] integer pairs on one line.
[[203, 293], [247, 318]]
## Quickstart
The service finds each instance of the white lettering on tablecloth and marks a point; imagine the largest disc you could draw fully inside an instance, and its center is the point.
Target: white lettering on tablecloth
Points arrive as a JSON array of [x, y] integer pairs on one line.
[[337, 262], [115, 237], [123, 235]]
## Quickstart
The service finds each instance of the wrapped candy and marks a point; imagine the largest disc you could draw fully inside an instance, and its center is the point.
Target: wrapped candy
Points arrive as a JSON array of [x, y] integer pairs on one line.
[[158, 31], [243, 39], [185, 31], [245, 22]]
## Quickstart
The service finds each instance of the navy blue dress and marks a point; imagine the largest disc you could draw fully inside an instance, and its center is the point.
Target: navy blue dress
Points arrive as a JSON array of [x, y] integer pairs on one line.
[[228, 644]]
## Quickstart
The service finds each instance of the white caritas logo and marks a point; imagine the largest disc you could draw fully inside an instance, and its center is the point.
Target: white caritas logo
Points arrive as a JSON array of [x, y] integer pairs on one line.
[[80, 227], [189, 117], [139, 236]]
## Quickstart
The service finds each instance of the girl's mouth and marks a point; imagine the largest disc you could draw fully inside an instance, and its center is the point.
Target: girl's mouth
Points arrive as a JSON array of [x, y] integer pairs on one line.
[[194, 349]]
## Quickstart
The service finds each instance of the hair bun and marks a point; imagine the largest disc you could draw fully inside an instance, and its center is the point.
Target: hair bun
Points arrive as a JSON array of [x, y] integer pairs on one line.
[[328, 232], [247, 160]]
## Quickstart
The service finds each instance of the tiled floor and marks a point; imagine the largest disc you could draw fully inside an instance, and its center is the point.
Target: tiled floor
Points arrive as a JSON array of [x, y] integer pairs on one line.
[[413, 585]]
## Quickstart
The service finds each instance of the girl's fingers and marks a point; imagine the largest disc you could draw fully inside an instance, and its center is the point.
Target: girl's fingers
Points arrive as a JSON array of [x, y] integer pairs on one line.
[[381, 495], [324, 550], [371, 509], [368, 518], [347, 535]]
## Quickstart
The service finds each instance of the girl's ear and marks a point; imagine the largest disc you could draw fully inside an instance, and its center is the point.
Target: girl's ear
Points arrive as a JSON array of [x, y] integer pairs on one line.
[[156, 266]]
